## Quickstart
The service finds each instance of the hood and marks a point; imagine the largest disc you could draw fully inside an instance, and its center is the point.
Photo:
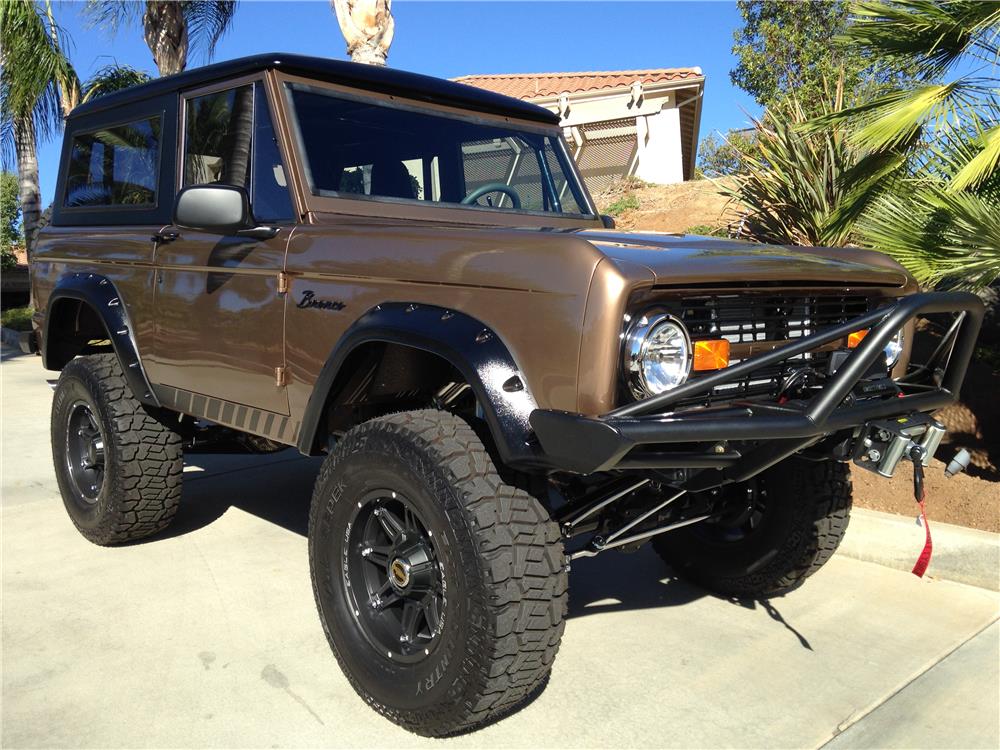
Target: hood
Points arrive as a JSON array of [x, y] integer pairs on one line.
[[689, 260]]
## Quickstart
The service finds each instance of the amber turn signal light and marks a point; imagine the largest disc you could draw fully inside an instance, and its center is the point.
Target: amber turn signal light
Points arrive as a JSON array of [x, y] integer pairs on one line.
[[711, 355], [856, 338]]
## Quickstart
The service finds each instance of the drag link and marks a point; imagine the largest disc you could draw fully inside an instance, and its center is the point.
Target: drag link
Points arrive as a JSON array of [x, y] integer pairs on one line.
[[598, 544]]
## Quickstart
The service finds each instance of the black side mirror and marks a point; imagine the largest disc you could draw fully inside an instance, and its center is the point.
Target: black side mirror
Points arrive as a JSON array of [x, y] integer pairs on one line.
[[608, 221], [213, 208]]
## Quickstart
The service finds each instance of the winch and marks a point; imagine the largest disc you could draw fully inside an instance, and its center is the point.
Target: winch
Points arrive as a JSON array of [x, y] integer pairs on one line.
[[885, 443]]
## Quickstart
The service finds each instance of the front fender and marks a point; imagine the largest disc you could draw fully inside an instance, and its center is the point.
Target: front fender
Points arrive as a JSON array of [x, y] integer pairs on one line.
[[475, 350]]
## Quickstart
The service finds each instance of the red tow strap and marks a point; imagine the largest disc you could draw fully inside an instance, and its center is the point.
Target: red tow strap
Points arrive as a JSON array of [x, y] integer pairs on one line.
[[925, 556], [918, 493]]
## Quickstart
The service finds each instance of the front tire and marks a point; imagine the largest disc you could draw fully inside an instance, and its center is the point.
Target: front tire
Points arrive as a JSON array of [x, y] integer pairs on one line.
[[786, 524], [442, 590], [118, 466]]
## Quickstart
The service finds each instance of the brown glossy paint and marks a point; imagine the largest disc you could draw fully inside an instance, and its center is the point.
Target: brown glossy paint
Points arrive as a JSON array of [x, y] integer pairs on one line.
[[211, 321], [122, 254], [219, 318]]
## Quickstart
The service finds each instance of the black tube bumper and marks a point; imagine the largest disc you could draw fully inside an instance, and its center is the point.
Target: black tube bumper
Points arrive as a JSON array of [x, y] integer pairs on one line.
[[644, 434]]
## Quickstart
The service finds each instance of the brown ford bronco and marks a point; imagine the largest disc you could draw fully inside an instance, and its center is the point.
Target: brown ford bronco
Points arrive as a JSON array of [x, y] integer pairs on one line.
[[408, 276]]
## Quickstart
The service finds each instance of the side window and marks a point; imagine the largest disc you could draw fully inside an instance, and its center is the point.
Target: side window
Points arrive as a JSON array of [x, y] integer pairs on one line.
[[218, 129], [269, 194], [229, 138], [116, 166]]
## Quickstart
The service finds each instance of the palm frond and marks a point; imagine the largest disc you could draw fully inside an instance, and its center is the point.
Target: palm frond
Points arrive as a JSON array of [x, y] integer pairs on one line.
[[896, 119], [33, 69], [980, 167], [112, 15], [113, 78], [208, 21], [932, 35], [941, 237]]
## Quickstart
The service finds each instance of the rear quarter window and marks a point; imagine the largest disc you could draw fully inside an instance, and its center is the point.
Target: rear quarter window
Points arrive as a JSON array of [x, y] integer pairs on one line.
[[116, 166]]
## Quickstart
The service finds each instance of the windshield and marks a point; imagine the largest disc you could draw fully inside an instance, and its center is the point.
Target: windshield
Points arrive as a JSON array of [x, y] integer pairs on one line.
[[357, 148]]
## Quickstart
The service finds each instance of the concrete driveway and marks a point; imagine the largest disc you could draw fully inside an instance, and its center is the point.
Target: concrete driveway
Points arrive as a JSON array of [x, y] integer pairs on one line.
[[207, 636]]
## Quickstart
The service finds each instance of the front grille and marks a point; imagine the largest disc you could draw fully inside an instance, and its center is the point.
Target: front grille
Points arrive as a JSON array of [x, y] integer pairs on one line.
[[747, 318]]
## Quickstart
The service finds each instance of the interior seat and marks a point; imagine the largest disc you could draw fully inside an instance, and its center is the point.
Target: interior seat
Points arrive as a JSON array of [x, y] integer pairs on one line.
[[391, 179]]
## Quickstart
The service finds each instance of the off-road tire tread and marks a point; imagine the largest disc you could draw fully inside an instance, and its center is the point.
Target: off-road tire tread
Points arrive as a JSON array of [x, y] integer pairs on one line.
[[518, 555], [822, 512], [146, 491]]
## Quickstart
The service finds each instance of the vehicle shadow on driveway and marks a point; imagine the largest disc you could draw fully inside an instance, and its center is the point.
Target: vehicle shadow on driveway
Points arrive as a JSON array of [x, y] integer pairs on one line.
[[278, 488], [619, 582], [275, 487]]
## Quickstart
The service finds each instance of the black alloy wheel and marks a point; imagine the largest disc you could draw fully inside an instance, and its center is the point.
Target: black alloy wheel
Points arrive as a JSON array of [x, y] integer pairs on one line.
[[395, 581], [84, 455]]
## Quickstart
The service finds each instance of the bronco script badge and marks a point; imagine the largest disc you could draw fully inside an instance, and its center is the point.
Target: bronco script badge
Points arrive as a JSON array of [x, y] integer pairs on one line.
[[309, 299]]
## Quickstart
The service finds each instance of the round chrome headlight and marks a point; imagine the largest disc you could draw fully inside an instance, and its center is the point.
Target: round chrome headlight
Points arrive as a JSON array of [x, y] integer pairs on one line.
[[893, 349], [657, 354]]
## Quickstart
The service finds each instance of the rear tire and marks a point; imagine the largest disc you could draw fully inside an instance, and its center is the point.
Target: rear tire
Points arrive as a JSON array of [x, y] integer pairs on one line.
[[805, 507], [487, 615], [118, 466]]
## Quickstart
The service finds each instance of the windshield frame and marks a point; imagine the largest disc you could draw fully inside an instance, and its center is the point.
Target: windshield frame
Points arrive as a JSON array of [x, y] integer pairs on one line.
[[325, 201]]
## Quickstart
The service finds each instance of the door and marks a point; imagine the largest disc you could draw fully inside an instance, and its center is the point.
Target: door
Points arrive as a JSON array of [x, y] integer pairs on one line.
[[219, 310]]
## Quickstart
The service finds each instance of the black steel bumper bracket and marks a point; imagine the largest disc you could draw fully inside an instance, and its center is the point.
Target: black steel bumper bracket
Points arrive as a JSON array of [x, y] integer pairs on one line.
[[584, 445]]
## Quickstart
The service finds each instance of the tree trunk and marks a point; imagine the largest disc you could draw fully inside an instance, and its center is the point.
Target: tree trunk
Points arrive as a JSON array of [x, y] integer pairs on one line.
[[367, 26], [238, 161], [165, 29], [25, 147], [26, 150], [69, 88]]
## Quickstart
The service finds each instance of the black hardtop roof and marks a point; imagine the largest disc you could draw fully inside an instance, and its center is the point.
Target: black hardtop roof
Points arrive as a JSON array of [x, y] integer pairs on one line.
[[370, 77]]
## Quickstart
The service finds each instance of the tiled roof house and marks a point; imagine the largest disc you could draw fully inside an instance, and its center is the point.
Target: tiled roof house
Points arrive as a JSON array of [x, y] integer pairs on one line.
[[641, 123]]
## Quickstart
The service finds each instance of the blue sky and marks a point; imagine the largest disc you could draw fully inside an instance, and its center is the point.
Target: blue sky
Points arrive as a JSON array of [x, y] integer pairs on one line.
[[449, 39]]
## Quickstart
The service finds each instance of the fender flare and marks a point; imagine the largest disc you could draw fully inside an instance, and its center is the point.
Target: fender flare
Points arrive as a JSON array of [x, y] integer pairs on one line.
[[475, 350], [99, 293]]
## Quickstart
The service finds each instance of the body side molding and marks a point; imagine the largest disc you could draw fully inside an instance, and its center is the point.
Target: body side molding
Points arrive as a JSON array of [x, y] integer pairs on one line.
[[100, 294], [476, 351]]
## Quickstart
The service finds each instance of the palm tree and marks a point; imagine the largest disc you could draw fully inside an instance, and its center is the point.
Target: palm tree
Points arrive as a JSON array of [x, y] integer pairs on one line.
[[170, 27], [109, 79], [39, 88], [36, 77], [368, 27], [932, 174]]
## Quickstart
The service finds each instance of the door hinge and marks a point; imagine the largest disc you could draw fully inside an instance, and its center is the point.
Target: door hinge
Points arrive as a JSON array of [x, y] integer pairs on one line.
[[280, 377], [283, 282]]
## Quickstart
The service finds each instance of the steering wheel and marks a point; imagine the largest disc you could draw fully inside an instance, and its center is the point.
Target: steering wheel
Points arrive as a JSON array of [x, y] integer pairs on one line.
[[493, 187]]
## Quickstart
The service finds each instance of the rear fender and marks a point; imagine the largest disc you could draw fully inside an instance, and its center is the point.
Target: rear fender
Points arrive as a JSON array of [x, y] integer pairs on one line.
[[99, 294]]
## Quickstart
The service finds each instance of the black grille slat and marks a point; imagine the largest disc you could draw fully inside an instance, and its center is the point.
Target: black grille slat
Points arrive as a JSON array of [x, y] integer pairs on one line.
[[748, 318]]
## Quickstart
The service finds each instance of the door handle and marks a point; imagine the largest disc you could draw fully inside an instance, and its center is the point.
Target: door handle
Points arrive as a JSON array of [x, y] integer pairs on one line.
[[165, 236]]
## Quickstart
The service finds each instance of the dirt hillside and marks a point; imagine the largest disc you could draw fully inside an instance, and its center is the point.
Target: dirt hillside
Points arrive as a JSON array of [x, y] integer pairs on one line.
[[667, 208]]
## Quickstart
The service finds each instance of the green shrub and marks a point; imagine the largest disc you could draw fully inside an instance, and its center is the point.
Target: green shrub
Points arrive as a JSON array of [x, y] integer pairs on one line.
[[625, 203], [707, 230], [17, 318]]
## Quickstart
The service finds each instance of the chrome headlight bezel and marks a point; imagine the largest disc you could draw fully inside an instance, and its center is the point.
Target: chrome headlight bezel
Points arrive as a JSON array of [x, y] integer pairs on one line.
[[893, 350], [636, 344]]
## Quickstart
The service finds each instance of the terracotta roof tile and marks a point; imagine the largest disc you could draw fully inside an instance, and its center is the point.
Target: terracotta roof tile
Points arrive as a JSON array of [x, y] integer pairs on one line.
[[535, 85]]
